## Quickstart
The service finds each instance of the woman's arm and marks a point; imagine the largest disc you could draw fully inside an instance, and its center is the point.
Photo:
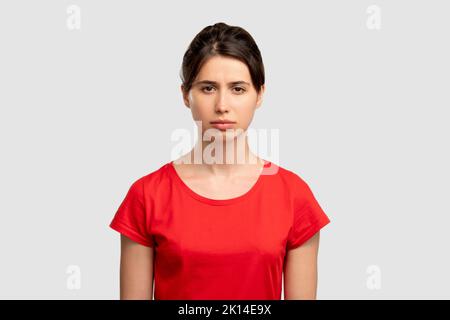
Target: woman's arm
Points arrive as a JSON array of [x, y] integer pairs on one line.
[[300, 273], [136, 270]]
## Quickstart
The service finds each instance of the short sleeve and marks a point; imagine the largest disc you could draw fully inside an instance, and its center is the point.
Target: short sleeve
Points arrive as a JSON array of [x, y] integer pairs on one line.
[[308, 219], [131, 217]]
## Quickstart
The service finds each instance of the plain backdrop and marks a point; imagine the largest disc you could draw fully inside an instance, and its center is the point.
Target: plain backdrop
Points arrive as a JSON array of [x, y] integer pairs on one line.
[[359, 91]]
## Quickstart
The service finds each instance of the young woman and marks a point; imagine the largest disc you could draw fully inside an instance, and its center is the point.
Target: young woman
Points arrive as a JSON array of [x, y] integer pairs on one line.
[[227, 228]]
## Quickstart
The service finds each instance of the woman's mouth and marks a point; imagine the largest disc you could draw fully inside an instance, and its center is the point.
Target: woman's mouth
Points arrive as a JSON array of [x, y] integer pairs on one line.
[[223, 125]]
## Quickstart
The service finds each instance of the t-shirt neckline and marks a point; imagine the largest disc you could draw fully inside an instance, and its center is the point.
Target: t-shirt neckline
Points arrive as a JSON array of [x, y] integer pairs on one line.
[[217, 202]]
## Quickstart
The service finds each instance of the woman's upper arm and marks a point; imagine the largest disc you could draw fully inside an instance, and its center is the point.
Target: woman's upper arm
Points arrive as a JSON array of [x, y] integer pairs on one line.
[[300, 273], [136, 270]]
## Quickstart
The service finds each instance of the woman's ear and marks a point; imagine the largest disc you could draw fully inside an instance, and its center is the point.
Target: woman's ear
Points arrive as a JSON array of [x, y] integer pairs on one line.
[[185, 97], [259, 98]]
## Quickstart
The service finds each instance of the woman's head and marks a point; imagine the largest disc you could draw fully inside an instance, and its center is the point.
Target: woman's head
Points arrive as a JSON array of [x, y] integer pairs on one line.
[[223, 76]]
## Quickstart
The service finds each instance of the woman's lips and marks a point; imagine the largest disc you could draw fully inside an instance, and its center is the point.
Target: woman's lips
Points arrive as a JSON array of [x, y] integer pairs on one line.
[[222, 125]]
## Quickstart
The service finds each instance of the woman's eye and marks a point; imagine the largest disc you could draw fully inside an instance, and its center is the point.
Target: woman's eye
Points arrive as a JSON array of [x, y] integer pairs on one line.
[[206, 88]]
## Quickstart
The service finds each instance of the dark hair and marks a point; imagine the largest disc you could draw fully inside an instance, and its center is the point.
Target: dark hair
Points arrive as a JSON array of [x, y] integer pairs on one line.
[[222, 39]]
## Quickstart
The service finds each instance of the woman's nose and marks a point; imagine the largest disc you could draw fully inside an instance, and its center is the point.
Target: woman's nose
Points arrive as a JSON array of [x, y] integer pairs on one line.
[[221, 103]]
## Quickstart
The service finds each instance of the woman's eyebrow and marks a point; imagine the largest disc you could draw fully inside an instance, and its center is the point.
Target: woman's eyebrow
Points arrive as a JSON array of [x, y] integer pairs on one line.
[[216, 83]]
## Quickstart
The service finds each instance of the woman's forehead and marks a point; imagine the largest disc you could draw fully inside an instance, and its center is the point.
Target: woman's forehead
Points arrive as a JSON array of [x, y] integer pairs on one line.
[[224, 70]]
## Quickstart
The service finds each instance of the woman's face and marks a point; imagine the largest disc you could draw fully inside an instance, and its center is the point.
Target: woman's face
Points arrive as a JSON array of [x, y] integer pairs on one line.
[[223, 90]]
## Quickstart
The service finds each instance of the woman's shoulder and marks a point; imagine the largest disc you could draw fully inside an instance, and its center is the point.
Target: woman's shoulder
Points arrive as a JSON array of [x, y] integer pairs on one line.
[[287, 175], [293, 181], [156, 177], [299, 187]]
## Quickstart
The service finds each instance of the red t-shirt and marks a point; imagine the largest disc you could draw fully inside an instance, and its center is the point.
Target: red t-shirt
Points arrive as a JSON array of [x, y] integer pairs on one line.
[[210, 249]]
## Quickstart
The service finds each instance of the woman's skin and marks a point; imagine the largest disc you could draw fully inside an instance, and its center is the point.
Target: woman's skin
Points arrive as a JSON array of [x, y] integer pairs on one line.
[[210, 102]]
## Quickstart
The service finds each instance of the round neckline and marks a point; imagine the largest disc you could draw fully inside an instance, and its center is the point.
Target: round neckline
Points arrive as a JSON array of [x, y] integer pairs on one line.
[[218, 202]]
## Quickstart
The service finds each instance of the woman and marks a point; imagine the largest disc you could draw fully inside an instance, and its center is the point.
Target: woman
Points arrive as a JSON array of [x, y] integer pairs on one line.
[[222, 226]]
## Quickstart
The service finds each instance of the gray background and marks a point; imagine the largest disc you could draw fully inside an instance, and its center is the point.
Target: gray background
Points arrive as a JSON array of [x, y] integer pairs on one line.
[[362, 115]]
